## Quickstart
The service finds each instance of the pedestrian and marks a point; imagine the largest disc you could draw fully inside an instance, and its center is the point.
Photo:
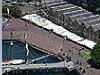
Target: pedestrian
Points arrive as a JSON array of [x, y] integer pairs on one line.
[[67, 57], [79, 53], [80, 68], [46, 64], [88, 66], [72, 53], [77, 62], [70, 58], [65, 54], [80, 63], [70, 50], [83, 71]]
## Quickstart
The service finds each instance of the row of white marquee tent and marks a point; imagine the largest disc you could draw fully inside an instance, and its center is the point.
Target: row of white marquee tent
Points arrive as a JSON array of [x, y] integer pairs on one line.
[[45, 23]]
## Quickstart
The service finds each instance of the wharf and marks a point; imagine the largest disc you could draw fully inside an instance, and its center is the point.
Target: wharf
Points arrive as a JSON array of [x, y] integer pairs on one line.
[[37, 37]]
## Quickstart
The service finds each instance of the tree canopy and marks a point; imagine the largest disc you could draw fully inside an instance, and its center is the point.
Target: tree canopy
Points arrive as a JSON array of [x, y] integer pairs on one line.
[[14, 10], [91, 5], [95, 54], [98, 10]]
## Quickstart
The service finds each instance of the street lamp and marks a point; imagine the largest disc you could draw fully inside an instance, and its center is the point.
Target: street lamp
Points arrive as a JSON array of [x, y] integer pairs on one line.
[[45, 4], [11, 45], [26, 45], [60, 49], [25, 37]]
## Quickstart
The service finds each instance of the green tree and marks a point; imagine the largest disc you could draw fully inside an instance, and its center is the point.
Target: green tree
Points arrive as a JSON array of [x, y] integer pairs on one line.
[[14, 10], [98, 10], [4, 9], [95, 54], [98, 2]]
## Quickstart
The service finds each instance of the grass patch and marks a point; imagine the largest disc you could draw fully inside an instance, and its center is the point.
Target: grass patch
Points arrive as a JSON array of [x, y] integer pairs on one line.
[[85, 55]]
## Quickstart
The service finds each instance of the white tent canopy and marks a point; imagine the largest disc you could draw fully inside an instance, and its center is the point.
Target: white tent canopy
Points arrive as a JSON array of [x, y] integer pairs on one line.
[[40, 21], [88, 43]]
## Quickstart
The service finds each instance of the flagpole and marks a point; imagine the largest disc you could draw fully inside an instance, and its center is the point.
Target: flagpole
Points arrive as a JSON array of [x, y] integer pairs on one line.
[[26, 44], [11, 42], [8, 14]]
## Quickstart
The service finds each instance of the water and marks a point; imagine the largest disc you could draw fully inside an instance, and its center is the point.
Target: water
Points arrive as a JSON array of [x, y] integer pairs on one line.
[[18, 52]]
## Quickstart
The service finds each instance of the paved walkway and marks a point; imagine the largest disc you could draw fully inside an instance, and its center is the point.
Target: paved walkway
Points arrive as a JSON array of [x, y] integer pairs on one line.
[[77, 58], [68, 65]]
